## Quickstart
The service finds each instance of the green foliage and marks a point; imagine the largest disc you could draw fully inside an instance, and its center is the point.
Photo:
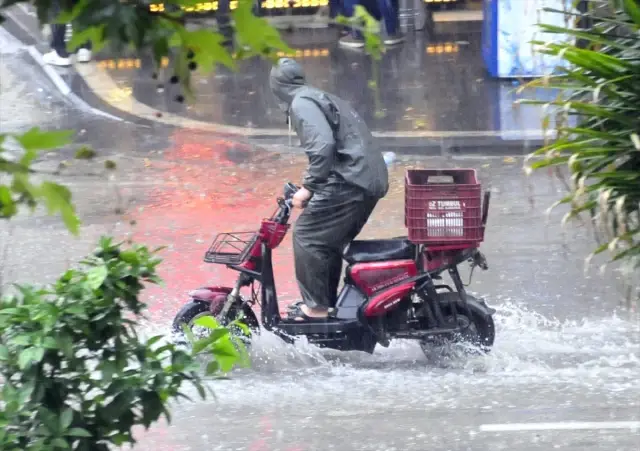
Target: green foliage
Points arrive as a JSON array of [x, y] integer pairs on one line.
[[76, 374], [225, 343], [134, 25], [600, 88], [18, 189]]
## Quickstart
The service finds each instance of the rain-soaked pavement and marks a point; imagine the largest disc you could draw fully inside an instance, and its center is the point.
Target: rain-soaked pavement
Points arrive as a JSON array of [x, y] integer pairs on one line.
[[564, 350]]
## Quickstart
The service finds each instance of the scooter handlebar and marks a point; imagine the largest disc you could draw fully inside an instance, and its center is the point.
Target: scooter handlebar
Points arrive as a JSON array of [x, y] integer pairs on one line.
[[289, 190]]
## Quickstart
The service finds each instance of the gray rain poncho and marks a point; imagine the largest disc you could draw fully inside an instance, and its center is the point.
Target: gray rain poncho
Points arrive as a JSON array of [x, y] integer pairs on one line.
[[346, 174], [338, 143]]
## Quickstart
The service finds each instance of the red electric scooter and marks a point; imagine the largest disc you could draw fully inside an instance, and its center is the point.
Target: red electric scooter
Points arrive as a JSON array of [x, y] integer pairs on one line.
[[389, 288]]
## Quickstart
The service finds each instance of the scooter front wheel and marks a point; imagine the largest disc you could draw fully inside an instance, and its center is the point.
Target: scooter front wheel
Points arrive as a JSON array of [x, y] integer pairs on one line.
[[194, 309]]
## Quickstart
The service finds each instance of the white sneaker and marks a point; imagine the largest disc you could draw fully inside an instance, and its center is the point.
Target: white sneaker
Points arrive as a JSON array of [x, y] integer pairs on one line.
[[351, 42], [56, 60], [393, 39], [83, 55]]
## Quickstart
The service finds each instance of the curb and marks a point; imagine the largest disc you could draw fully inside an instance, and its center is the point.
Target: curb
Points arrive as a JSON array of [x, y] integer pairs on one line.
[[21, 29], [90, 85], [453, 143], [64, 88]]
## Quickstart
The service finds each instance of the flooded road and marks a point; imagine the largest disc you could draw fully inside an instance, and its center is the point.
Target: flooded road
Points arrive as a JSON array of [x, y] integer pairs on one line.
[[564, 350], [541, 370], [563, 353]]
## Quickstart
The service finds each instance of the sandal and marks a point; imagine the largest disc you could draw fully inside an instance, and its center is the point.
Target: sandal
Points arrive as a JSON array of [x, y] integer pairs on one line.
[[296, 314], [294, 306]]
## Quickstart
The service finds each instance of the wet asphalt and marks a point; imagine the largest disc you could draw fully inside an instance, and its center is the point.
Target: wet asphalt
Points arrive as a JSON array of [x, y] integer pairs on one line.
[[565, 350]]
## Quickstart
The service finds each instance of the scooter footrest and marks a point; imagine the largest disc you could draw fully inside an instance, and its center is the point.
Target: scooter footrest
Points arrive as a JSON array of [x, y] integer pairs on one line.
[[330, 326], [443, 330]]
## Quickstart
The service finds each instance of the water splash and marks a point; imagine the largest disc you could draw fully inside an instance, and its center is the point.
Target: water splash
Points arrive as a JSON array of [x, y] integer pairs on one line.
[[531, 352]]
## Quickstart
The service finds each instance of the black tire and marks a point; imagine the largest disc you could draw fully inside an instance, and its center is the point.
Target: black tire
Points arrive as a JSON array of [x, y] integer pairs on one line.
[[481, 333], [187, 314], [484, 324], [193, 309]]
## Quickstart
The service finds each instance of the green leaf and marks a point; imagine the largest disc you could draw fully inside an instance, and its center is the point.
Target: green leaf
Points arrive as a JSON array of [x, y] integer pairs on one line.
[[8, 207], [65, 344], [225, 348], [78, 310], [78, 432], [153, 340], [256, 33], [50, 343], [25, 393], [94, 34], [207, 321], [120, 404], [227, 362], [130, 257], [631, 7], [208, 49], [58, 199], [37, 354], [36, 139], [212, 368], [97, 276], [25, 358], [108, 368], [66, 17], [203, 343], [60, 443], [21, 340], [4, 352], [66, 418], [201, 392], [160, 49], [152, 407]]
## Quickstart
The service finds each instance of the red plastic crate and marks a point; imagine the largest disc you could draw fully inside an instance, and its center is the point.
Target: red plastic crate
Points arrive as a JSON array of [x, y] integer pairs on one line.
[[443, 208]]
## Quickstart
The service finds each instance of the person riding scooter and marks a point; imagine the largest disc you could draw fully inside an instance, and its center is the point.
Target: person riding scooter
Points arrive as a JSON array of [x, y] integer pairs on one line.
[[346, 177]]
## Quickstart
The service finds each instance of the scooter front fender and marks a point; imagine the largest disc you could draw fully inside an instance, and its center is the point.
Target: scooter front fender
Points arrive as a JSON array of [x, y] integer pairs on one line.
[[209, 293], [214, 296]]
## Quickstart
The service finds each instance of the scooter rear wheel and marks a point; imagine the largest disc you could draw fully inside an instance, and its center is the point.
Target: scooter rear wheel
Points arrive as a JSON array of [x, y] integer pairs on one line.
[[477, 338]]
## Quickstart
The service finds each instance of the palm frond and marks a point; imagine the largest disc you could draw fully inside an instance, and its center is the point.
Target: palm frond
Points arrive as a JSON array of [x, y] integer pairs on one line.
[[599, 86]]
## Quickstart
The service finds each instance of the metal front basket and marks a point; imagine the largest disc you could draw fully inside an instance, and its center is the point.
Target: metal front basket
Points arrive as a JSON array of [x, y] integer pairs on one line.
[[231, 248]]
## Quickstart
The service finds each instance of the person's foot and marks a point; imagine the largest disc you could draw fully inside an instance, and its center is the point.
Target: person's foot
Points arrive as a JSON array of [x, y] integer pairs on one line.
[[304, 313], [54, 59], [393, 39], [83, 56], [295, 305], [351, 42]]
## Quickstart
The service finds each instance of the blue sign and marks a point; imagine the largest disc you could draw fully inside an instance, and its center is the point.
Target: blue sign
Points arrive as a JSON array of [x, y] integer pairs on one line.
[[509, 28]]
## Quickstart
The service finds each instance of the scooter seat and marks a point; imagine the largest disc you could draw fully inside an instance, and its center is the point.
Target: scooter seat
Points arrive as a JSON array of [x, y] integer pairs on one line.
[[379, 250]]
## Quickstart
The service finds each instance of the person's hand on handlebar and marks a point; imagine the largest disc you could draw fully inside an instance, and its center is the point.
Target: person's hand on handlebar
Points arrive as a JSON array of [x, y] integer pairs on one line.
[[300, 198]]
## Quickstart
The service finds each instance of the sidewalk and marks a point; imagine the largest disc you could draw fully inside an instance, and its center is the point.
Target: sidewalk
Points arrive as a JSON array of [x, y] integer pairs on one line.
[[434, 95]]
